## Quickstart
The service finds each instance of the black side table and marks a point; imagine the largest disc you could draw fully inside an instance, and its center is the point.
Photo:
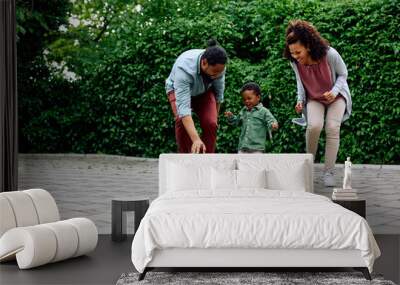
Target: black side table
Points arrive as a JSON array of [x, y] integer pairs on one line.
[[118, 218], [357, 206]]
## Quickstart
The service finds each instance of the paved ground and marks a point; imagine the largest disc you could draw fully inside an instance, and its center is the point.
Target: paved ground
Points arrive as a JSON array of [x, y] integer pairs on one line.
[[84, 185]]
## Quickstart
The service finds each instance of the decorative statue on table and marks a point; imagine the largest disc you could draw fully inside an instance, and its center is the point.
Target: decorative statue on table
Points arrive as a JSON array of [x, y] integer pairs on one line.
[[347, 175]]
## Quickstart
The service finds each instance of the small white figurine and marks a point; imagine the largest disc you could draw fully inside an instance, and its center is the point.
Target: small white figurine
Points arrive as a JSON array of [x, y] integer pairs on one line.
[[347, 174]]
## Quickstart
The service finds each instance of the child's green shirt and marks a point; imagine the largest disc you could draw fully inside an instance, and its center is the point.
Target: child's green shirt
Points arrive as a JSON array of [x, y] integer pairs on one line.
[[255, 124]]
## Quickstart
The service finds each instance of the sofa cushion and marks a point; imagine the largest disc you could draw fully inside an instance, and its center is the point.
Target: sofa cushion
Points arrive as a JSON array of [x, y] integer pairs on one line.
[[228, 180], [290, 174], [223, 179], [8, 220], [290, 177], [45, 205], [251, 178], [23, 208], [166, 175], [188, 177]]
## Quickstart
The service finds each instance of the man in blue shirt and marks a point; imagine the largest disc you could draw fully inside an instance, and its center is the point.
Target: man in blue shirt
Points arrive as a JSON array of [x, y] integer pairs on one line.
[[196, 83]]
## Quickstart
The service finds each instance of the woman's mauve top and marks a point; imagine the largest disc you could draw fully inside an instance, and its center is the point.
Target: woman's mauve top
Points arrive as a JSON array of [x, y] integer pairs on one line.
[[316, 79]]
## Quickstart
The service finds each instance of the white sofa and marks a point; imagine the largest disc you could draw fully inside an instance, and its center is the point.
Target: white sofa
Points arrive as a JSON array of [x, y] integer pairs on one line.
[[198, 191], [31, 231]]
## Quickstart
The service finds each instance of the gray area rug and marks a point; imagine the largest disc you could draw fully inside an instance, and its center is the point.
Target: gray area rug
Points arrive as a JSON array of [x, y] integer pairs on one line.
[[243, 278]]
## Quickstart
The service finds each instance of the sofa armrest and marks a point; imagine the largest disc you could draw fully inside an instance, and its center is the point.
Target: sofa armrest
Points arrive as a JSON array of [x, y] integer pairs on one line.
[[40, 244], [32, 246]]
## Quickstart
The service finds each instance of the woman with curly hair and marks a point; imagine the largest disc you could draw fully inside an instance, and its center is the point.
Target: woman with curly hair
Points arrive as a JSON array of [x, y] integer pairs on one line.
[[322, 90]]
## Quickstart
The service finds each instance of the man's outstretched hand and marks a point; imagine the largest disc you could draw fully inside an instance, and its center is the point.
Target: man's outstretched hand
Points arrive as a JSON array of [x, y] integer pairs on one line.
[[198, 146]]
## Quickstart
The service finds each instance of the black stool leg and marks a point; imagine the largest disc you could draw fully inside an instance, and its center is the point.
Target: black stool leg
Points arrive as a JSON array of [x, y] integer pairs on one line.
[[364, 271], [143, 274], [117, 221]]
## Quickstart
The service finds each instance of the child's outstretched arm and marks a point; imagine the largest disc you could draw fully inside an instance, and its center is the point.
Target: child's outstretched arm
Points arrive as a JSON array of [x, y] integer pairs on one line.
[[271, 121], [232, 119]]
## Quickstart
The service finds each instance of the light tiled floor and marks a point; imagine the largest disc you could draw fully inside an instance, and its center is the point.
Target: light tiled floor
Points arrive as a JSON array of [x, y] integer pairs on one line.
[[84, 185]]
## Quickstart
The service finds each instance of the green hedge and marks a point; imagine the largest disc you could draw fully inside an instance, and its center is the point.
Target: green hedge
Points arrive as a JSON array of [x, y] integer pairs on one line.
[[119, 106]]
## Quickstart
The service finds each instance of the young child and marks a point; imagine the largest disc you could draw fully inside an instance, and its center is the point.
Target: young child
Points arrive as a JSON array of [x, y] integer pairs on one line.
[[254, 118]]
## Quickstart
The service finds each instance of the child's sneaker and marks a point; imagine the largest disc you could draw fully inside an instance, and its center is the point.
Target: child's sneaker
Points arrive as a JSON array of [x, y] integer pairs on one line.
[[300, 121], [329, 179]]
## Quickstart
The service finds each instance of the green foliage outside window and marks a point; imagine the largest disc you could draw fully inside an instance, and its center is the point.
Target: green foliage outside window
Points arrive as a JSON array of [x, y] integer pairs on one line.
[[96, 85]]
